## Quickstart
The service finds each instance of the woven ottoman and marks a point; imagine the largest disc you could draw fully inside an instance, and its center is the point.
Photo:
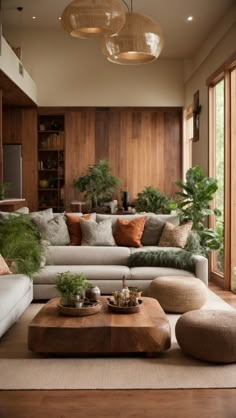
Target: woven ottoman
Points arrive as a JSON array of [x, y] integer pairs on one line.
[[178, 294], [208, 335]]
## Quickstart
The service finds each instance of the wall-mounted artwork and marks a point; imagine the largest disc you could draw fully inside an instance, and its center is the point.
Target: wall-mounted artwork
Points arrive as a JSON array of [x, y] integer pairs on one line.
[[196, 116]]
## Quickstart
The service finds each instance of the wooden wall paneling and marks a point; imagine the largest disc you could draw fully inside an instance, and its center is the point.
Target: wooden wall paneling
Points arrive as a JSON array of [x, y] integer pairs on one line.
[[79, 148], [12, 125], [102, 125], [115, 156], [173, 150], [29, 157]]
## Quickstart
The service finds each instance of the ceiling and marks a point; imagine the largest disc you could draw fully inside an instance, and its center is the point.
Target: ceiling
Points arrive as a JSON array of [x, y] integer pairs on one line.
[[182, 38]]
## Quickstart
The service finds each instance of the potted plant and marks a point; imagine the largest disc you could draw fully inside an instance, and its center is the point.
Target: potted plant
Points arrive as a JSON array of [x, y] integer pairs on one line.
[[4, 187], [98, 183], [71, 287], [21, 244], [152, 200], [195, 198]]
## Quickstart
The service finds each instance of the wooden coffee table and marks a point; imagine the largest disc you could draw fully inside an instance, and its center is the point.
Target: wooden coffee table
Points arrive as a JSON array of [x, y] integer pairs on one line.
[[147, 331]]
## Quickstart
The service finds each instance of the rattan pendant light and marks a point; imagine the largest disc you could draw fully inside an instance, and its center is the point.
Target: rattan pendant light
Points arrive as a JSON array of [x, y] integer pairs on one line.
[[93, 18], [140, 41]]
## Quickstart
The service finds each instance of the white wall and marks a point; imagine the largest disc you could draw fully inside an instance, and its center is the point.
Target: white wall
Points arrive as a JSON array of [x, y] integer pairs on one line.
[[9, 64], [73, 72], [220, 45]]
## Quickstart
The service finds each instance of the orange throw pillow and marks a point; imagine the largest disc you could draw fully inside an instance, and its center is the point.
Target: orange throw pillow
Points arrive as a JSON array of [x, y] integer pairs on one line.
[[74, 228], [129, 232], [4, 269]]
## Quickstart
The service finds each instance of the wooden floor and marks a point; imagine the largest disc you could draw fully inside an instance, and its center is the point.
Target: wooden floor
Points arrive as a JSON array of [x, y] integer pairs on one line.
[[194, 403]]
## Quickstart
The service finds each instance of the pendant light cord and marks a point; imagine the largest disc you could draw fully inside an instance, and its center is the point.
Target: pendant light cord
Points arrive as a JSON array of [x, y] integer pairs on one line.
[[130, 10]]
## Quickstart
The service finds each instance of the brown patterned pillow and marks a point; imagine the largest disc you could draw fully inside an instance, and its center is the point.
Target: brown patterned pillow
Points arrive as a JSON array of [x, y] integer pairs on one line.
[[175, 236], [4, 269]]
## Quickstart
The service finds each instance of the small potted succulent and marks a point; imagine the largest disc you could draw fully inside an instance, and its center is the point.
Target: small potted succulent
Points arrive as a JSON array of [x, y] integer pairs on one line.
[[71, 287]]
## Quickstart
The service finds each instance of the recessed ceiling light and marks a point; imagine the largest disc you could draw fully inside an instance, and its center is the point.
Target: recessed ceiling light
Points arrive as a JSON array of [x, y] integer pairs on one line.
[[33, 17], [190, 18], [59, 18]]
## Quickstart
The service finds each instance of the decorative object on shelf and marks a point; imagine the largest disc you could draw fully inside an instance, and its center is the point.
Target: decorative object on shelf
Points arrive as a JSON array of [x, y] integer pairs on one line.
[[140, 40], [92, 292], [88, 308], [43, 183], [97, 182], [196, 116], [125, 200], [92, 18]]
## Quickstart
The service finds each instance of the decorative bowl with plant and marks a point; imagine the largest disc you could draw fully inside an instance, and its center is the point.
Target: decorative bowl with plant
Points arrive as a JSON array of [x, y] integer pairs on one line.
[[71, 286]]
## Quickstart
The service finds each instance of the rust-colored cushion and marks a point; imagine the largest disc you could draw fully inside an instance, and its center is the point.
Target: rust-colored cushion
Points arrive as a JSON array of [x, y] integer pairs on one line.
[[129, 232], [74, 228], [175, 236], [4, 269]]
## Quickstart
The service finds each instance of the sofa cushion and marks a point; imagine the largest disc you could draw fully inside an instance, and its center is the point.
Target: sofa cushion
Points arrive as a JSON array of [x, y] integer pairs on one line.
[[175, 236], [4, 269], [92, 272], [152, 231], [80, 255], [74, 228], [46, 214], [129, 232], [141, 273], [54, 231], [97, 234]]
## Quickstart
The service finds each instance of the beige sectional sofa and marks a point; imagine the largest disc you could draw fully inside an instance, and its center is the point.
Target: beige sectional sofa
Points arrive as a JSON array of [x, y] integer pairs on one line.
[[106, 266], [16, 293]]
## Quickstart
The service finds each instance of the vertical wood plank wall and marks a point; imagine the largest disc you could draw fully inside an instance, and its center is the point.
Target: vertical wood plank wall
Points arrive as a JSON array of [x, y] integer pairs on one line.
[[20, 127], [143, 146]]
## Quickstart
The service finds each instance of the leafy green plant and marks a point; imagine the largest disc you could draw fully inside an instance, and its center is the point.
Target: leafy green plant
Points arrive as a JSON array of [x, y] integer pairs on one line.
[[20, 242], [4, 188], [69, 284], [195, 197], [97, 182], [152, 200]]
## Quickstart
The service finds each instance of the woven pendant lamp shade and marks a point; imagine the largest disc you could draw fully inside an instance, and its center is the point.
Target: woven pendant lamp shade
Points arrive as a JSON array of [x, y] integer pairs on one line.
[[140, 41], [93, 18]]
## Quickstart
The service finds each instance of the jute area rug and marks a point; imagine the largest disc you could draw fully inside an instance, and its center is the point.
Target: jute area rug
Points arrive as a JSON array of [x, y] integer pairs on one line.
[[20, 369]]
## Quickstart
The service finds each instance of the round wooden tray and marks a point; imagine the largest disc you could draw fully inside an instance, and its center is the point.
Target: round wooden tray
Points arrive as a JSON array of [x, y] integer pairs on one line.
[[87, 310], [124, 309]]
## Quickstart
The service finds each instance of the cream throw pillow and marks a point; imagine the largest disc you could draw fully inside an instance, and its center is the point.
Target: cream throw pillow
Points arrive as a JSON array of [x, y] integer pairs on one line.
[[94, 233], [175, 236]]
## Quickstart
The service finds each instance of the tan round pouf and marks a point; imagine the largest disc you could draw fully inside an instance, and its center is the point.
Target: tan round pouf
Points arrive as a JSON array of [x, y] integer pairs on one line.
[[178, 294], [208, 335]]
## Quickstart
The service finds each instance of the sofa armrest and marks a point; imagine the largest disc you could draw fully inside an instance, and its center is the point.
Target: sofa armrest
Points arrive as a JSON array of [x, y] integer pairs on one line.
[[201, 268]]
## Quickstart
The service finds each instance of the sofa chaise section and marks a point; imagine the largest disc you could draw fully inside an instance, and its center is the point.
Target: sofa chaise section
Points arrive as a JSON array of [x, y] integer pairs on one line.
[[16, 293]]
